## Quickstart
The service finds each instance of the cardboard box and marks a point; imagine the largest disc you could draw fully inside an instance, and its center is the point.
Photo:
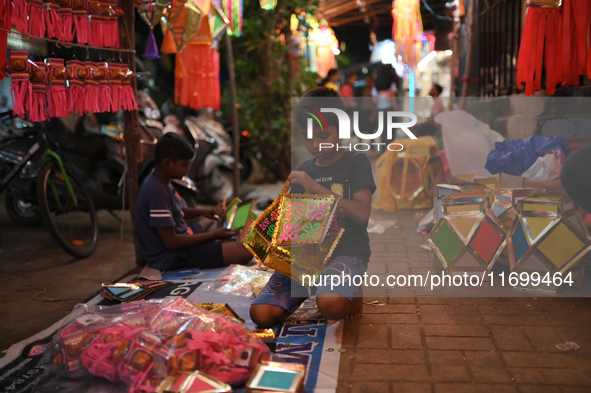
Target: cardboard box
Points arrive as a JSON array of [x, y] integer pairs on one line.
[[549, 186]]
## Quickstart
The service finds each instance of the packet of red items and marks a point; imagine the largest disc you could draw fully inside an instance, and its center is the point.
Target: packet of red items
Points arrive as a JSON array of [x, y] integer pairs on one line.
[[143, 343]]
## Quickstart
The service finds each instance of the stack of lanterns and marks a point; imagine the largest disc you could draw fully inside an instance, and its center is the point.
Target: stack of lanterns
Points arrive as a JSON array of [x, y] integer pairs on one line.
[[542, 233]]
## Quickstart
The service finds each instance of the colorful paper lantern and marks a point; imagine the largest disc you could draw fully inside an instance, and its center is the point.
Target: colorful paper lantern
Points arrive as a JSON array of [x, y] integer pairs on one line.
[[466, 238], [151, 12], [443, 190], [506, 203], [407, 178], [233, 11], [407, 30], [297, 234], [183, 19], [548, 236], [268, 5], [415, 171], [218, 22]]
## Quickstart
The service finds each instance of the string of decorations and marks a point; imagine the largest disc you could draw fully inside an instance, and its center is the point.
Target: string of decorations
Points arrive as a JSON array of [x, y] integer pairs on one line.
[[64, 44], [54, 88]]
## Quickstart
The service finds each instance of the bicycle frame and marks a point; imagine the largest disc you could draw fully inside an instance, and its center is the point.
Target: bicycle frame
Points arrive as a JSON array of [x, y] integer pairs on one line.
[[48, 153]]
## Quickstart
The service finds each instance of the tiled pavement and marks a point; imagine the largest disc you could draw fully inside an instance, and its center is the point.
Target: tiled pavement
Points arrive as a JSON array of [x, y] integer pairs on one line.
[[439, 345]]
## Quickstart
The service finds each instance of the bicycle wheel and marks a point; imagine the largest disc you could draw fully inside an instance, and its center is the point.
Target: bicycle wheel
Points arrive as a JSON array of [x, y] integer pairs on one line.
[[70, 215]]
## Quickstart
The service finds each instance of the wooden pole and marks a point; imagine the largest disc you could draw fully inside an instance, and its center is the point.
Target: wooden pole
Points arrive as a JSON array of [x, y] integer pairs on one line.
[[132, 133], [470, 32], [234, 115]]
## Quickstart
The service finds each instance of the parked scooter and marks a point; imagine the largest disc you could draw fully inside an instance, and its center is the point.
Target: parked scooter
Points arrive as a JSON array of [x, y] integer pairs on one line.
[[212, 169]]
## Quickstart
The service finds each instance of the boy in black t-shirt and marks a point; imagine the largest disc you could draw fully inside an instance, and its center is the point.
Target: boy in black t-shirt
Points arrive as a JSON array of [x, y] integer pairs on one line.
[[332, 171]]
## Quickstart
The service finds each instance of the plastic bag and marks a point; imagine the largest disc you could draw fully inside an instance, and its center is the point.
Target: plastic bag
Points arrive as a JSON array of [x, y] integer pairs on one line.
[[239, 280], [517, 156], [467, 142], [141, 343], [545, 168]]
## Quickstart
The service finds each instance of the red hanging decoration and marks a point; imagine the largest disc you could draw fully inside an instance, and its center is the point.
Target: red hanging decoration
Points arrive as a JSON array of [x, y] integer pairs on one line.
[[76, 76], [200, 85], [37, 24], [5, 23], [53, 22], [116, 77], [96, 23], [39, 80], [57, 97], [128, 99], [91, 90], [110, 25], [19, 15], [541, 25], [67, 20], [19, 67], [105, 101], [81, 21]]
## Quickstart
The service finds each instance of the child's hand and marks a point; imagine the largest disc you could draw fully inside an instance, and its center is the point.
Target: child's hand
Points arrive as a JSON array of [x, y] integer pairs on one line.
[[224, 233], [215, 213], [304, 180]]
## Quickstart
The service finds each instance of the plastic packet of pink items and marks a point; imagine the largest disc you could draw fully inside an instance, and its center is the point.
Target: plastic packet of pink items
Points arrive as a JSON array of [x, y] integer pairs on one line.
[[141, 343]]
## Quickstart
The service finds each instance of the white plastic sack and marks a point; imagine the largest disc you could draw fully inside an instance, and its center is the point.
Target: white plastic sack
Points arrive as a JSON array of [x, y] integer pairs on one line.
[[545, 168], [467, 142]]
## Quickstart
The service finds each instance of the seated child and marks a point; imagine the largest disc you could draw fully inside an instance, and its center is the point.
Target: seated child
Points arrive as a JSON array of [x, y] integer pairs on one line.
[[166, 241], [347, 174]]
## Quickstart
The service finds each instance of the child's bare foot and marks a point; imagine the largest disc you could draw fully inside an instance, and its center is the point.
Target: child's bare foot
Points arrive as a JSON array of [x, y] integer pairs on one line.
[[357, 308]]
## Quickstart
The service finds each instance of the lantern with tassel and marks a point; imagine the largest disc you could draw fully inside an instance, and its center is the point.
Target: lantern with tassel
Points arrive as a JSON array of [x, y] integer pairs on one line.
[[57, 98], [268, 5], [36, 19], [105, 97], [80, 12], [39, 80], [110, 25], [51, 15], [151, 12], [91, 90], [19, 67], [97, 35], [176, 21], [76, 74], [116, 77], [67, 20], [407, 29], [128, 99]]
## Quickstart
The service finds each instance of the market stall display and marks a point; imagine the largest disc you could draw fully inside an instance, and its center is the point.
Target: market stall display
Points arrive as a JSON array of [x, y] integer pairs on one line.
[[143, 343]]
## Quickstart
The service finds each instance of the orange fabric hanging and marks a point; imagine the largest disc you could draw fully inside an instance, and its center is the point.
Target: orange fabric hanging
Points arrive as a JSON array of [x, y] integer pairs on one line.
[[201, 85]]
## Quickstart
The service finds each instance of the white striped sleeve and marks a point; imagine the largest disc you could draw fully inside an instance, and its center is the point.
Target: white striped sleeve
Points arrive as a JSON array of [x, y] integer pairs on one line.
[[161, 210]]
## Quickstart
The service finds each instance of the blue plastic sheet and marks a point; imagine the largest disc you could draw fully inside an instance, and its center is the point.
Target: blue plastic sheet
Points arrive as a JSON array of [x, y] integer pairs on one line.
[[516, 156]]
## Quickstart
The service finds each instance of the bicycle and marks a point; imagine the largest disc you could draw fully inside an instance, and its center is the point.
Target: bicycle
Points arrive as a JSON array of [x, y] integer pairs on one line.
[[65, 205]]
